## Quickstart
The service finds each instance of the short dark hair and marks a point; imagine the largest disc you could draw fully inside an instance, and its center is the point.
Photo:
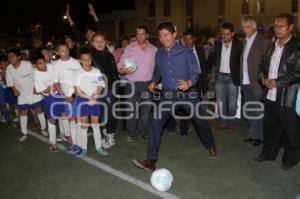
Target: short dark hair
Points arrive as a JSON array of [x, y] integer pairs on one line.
[[125, 37], [228, 26], [189, 32], [3, 58], [84, 51], [15, 51], [289, 18], [41, 48], [99, 33], [143, 27], [167, 26], [250, 18], [35, 56], [61, 43], [70, 37]]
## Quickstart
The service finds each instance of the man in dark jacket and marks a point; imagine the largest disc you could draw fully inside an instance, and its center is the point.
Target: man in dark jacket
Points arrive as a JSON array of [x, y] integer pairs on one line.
[[254, 46], [227, 56], [280, 75]]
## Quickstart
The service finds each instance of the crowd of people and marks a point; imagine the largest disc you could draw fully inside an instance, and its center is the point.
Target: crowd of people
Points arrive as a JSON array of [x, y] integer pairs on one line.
[[84, 82]]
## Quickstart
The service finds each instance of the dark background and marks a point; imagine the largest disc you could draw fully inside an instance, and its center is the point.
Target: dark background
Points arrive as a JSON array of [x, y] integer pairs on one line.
[[22, 13]]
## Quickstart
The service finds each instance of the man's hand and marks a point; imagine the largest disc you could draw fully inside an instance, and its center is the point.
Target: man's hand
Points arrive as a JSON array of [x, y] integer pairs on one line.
[[184, 85], [124, 71], [270, 83], [152, 87]]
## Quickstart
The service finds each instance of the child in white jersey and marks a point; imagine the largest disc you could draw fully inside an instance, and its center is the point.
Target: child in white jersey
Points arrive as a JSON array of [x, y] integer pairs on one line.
[[19, 76], [64, 71], [89, 84], [53, 103]]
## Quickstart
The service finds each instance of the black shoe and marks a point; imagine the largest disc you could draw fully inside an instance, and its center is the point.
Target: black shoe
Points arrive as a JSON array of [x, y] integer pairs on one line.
[[257, 142], [260, 158], [247, 140], [287, 167], [145, 136]]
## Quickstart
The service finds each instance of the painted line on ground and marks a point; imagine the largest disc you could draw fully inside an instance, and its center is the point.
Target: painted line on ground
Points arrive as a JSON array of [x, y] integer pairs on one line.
[[112, 171]]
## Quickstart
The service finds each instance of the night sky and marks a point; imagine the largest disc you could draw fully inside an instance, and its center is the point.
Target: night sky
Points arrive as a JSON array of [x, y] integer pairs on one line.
[[18, 13]]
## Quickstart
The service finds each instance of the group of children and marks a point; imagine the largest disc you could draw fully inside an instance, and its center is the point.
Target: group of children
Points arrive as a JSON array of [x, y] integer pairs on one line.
[[65, 91]]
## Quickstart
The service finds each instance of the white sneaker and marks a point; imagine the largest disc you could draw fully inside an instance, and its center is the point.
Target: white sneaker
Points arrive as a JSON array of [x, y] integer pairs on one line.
[[23, 138], [16, 119], [105, 144], [111, 139], [2, 120], [44, 133]]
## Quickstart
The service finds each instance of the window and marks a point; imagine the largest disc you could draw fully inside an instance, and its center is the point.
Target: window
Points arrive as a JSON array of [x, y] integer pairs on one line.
[[189, 8], [121, 28], [152, 27], [260, 6], [151, 8], [245, 7], [221, 21], [294, 6], [221, 7], [189, 23], [167, 8]]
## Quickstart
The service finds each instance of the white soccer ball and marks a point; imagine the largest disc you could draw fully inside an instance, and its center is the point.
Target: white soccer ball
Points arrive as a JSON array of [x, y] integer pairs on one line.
[[130, 64], [161, 179]]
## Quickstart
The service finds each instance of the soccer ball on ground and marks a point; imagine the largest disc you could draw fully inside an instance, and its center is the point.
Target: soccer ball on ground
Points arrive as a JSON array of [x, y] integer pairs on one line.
[[161, 179]]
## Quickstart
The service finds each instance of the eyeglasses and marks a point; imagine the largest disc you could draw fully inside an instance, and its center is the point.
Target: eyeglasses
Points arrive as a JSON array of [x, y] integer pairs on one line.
[[280, 26]]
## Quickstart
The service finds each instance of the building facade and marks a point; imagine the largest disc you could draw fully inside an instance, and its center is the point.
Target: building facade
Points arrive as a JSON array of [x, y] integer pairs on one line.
[[203, 13]]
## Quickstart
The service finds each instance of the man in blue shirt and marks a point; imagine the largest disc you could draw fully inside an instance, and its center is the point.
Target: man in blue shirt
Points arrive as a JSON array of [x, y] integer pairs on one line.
[[176, 68]]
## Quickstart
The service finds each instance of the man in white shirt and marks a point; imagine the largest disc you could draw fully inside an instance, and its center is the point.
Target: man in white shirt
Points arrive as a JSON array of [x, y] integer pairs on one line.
[[19, 76], [227, 55], [254, 47], [280, 74]]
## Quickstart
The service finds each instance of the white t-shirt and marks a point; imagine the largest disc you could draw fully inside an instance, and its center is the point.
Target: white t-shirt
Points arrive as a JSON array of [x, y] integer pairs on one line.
[[43, 79], [88, 81], [64, 73], [22, 79]]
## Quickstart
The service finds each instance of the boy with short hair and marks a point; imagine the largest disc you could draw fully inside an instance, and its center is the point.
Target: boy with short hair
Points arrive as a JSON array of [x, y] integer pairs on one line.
[[19, 76], [64, 71], [52, 104]]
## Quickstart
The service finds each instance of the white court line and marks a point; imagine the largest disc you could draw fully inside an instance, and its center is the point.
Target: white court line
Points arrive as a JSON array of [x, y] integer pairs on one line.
[[113, 171]]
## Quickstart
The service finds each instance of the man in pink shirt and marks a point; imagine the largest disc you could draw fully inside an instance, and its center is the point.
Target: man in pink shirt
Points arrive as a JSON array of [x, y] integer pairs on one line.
[[144, 54]]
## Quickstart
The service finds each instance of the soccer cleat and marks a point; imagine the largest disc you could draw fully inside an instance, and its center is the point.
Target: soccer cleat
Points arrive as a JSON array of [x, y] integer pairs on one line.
[[77, 150], [67, 139], [16, 119], [70, 149], [111, 139], [102, 152], [44, 132], [105, 144], [83, 153], [23, 138], [53, 148], [130, 138]]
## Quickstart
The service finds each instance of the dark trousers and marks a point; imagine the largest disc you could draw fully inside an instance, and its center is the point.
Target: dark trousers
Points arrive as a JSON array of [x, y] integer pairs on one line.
[[164, 112], [140, 95], [280, 120], [255, 123], [111, 124]]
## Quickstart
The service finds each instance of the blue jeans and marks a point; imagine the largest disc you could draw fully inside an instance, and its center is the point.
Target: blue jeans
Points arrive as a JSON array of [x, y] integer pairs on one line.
[[255, 125], [202, 126], [227, 95]]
